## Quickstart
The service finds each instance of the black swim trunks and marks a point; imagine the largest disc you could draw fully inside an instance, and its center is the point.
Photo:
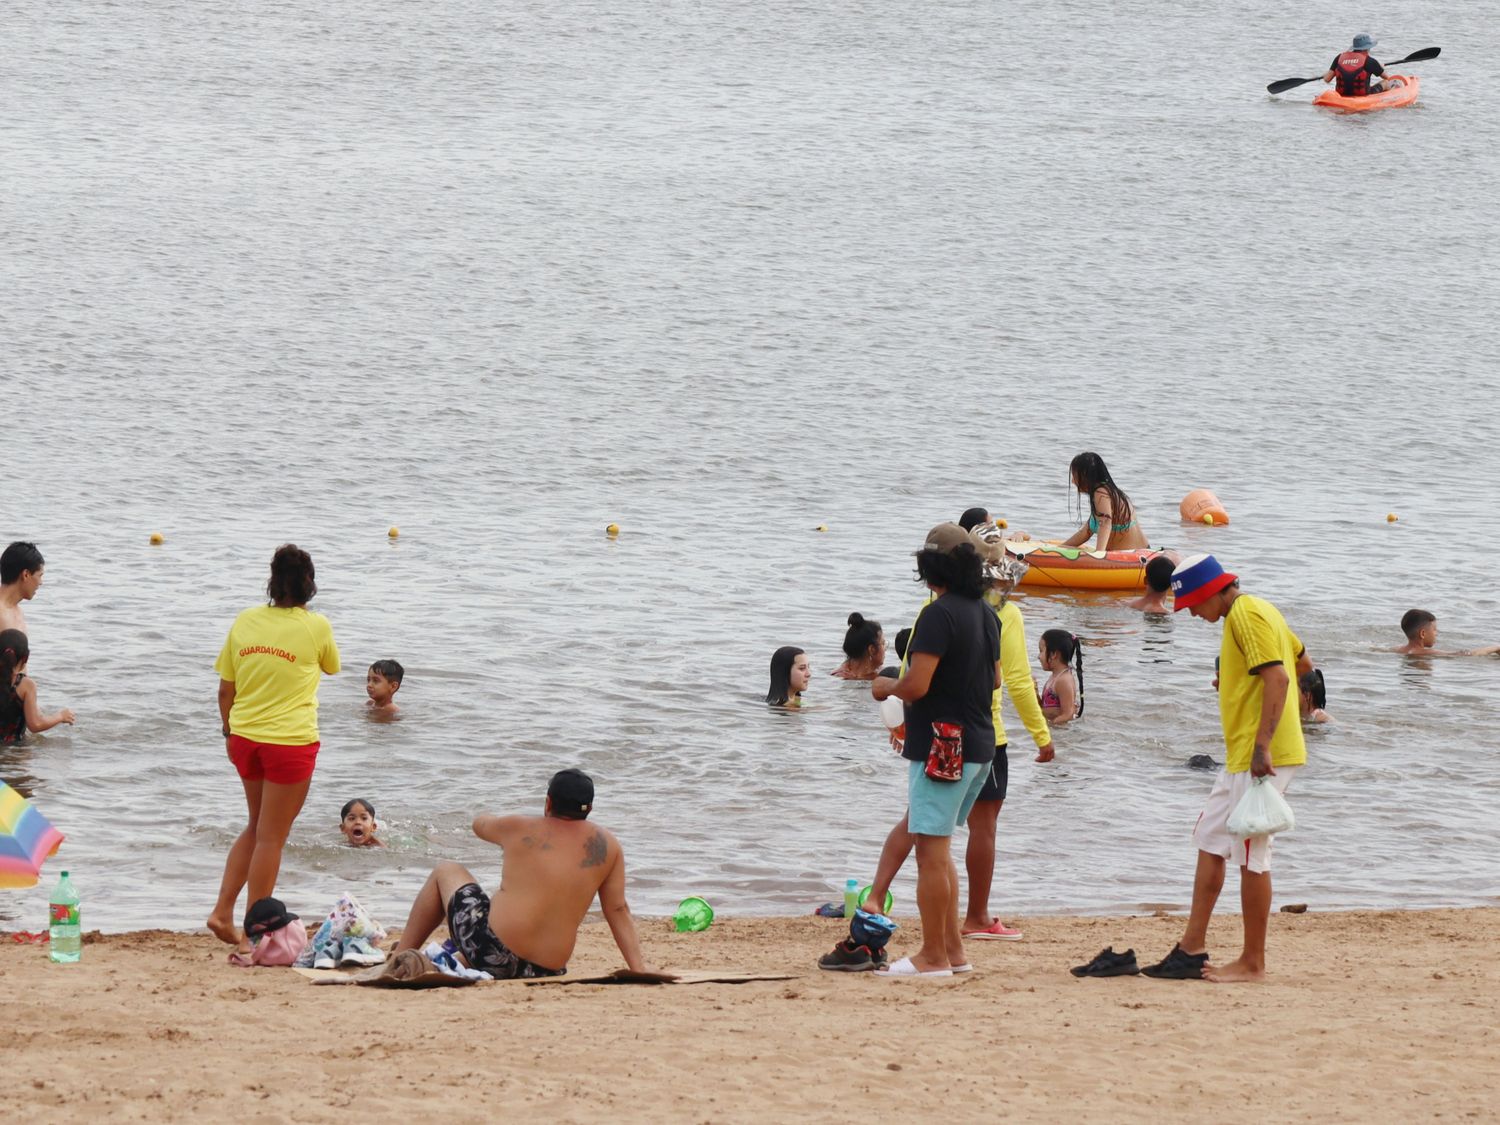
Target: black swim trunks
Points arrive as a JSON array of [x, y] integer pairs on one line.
[[997, 782], [469, 925]]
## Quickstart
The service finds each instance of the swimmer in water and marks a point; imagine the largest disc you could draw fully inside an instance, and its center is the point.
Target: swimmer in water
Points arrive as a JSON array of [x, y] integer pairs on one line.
[[382, 682], [864, 649], [1158, 586], [357, 823], [790, 675], [1421, 631], [1112, 524], [1061, 696]]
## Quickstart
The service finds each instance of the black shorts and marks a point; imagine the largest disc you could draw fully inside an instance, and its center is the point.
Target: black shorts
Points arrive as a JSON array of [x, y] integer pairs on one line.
[[469, 926], [994, 788]]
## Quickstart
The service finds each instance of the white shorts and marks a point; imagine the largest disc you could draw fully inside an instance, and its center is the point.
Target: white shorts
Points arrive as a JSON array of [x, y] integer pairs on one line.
[[1211, 834]]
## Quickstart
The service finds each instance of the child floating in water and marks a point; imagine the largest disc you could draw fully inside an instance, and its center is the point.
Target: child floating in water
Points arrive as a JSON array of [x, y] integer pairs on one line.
[[1158, 585], [357, 823], [19, 711], [382, 682], [1312, 696], [1421, 632], [1061, 696]]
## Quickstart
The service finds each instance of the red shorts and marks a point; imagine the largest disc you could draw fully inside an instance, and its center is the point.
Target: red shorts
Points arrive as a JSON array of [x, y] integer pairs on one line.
[[265, 761]]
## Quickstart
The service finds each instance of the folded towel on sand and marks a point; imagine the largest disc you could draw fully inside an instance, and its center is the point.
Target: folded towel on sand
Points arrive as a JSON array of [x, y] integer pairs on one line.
[[410, 969]]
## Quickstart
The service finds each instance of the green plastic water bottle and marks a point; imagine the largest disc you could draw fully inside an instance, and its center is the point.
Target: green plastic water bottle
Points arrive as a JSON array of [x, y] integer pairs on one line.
[[65, 935], [851, 897]]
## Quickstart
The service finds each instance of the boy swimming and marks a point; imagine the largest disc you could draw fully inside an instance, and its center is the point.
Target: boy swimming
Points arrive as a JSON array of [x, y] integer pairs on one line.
[[1158, 585], [357, 823], [1421, 631], [382, 682]]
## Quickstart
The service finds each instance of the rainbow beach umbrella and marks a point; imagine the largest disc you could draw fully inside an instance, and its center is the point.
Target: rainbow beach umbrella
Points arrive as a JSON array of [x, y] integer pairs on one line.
[[27, 838]]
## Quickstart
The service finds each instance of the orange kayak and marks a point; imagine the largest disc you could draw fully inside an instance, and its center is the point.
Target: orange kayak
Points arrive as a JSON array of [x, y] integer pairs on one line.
[[1391, 98], [1075, 568]]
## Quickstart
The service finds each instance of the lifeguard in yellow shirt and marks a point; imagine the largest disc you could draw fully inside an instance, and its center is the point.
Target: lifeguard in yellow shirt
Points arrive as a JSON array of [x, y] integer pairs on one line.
[[269, 671]]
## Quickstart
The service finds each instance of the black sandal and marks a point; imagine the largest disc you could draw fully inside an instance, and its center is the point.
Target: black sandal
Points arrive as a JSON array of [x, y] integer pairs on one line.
[[1108, 964]]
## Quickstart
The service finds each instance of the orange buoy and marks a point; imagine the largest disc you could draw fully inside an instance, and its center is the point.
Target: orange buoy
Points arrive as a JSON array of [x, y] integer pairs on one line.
[[1200, 503]]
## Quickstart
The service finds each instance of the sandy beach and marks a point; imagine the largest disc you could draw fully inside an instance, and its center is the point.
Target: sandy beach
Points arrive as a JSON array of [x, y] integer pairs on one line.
[[1369, 1016]]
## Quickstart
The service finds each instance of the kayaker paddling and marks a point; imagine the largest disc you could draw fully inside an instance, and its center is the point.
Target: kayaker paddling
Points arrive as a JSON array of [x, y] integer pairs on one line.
[[1357, 73]]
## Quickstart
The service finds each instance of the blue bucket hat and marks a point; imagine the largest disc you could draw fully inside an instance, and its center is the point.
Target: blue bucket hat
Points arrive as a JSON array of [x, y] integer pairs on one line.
[[873, 930], [1197, 579], [1364, 41]]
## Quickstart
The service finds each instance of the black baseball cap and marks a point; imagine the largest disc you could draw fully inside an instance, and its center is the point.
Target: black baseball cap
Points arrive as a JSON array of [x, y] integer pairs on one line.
[[572, 793], [267, 916]]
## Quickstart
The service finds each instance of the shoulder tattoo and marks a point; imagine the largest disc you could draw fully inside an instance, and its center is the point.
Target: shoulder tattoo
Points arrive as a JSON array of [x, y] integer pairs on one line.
[[595, 850]]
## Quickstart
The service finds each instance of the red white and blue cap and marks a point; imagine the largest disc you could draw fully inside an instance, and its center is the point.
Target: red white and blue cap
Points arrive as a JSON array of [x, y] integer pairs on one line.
[[1197, 579]]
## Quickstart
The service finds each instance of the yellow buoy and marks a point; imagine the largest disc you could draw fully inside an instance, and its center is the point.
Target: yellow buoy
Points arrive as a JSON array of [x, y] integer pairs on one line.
[[821, 527], [612, 530], [1391, 518], [1208, 518], [394, 533], [157, 538]]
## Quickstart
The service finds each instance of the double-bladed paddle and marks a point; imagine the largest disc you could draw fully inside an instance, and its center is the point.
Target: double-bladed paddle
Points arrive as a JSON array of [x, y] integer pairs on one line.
[[1288, 83]]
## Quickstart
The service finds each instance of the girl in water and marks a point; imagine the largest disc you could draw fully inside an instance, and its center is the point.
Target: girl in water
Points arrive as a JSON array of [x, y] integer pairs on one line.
[[864, 646], [357, 823], [1111, 523], [19, 711], [790, 675], [1061, 696]]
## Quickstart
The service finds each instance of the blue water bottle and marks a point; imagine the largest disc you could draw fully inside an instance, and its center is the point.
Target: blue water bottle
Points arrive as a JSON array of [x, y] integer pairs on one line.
[[851, 897], [65, 936]]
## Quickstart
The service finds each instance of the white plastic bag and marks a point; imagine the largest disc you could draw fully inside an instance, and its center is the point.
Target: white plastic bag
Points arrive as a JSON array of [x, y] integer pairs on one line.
[[1262, 811], [892, 712]]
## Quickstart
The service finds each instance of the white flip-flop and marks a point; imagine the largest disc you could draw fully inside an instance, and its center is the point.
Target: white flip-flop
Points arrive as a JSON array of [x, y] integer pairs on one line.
[[964, 968], [905, 970]]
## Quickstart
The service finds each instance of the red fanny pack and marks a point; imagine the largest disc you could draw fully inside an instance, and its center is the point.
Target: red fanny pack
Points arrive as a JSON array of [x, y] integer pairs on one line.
[[945, 757]]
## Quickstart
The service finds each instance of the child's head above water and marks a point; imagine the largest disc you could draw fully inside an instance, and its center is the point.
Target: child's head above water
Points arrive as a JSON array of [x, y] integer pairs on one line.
[[899, 644], [1159, 573], [383, 680], [1420, 627], [357, 823]]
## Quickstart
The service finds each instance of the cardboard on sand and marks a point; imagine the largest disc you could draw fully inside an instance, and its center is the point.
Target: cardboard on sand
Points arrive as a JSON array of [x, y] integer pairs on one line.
[[1389, 1016]]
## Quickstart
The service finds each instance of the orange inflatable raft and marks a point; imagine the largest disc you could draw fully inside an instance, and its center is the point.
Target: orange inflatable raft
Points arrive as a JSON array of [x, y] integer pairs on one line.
[[1392, 97], [1076, 568]]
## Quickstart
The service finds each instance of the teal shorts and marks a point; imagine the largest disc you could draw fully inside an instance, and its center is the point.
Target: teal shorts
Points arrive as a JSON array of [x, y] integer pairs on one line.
[[936, 808]]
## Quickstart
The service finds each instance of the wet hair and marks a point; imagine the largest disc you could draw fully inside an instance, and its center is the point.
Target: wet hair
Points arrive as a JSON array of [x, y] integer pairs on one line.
[[781, 674], [1159, 573], [17, 559], [1089, 474], [861, 635], [291, 582], [390, 669], [14, 652], [903, 637], [1065, 646], [973, 517], [1312, 683], [959, 571], [1413, 621], [349, 806]]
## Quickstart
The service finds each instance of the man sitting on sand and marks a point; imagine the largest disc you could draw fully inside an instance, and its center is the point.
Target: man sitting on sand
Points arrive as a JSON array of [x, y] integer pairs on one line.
[[554, 866], [1421, 632]]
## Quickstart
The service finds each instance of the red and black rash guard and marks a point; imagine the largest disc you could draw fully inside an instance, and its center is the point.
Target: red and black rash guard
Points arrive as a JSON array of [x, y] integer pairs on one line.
[[1353, 70]]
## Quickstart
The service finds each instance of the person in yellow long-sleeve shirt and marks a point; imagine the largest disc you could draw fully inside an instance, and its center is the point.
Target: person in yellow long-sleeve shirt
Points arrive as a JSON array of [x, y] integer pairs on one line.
[[1003, 573]]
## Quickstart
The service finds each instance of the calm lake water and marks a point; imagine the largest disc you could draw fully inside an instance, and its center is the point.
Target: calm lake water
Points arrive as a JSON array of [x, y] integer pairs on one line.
[[503, 275]]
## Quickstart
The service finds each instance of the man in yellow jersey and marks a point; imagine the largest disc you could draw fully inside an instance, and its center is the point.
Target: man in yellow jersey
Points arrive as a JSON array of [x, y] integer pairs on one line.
[[1259, 659]]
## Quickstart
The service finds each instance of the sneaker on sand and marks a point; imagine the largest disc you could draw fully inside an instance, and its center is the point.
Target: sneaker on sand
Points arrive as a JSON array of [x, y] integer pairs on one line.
[[358, 951], [848, 957], [1109, 964], [1178, 965]]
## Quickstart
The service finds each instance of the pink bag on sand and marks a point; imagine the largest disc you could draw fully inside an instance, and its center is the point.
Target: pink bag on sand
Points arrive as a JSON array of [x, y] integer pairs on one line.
[[280, 947]]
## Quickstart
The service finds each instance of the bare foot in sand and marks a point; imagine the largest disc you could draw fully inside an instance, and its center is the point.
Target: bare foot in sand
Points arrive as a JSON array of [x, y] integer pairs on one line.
[[1236, 972], [225, 931]]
